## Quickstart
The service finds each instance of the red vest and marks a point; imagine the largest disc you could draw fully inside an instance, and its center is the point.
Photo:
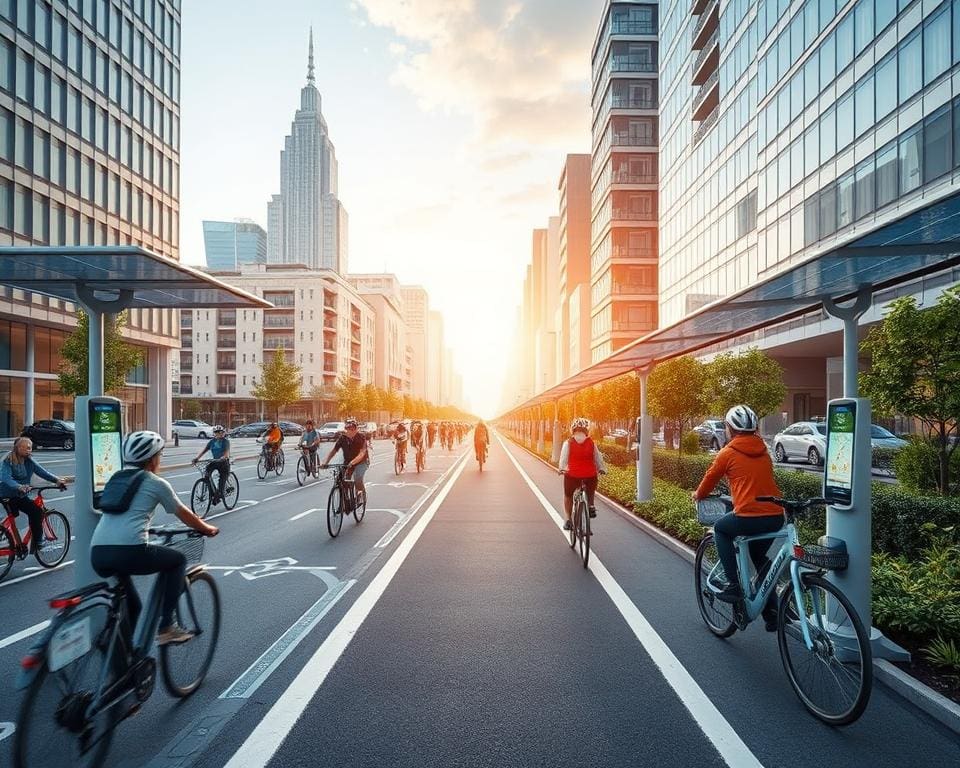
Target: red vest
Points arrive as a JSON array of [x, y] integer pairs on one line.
[[582, 463]]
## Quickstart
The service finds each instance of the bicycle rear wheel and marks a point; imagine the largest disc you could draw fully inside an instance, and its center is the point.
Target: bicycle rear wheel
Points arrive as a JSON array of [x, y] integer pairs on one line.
[[56, 539], [231, 491], [834, 678], [7, 553], [717, 615], [335, 511], [184, 666], [583, 532], [278, 462], [397, 464], [53, 727], [301, 471], [573, 523], [200, 497]]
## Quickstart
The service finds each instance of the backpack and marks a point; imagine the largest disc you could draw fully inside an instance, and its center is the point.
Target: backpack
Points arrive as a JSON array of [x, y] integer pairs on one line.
[[120, 489]]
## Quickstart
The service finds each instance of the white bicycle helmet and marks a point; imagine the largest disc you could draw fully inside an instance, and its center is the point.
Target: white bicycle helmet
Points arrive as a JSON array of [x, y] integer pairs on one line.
[[219, 428], [580, 423], [742, 419], [140, 446]]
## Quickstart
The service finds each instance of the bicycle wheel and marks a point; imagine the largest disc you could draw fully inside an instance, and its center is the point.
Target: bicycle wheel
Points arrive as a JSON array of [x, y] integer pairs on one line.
[[360, 508], [302, 471], [334, 511], [717, 615], [573, 523], [834, 678], [583, 532], [56, 539], [53, 726], [262, 467], [184, 666], [419, 462], [278, 463], [200, 497], [397, 464], [7, 553], [231, 491]]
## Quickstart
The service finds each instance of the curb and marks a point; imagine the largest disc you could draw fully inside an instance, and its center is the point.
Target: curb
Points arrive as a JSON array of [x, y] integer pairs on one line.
[[922, 696]]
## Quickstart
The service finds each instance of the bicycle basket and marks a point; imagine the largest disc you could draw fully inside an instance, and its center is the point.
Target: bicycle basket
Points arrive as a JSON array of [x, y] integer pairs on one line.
[[190, 546], [711, 509], [825, 558]]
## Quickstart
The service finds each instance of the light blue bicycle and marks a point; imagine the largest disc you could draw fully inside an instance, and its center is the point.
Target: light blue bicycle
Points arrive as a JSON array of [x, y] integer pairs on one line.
[[823, 644]]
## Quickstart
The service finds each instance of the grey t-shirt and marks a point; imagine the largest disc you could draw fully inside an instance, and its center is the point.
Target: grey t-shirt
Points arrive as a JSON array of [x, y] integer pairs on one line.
[[130, 528]]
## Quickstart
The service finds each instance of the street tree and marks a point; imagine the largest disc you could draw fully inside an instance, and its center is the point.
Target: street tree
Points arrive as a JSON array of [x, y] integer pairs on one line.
[[372, 400], [752, 378], [119, 358], [915, 371], [280, 382], [392, 401], [350, 396], [677, 393]]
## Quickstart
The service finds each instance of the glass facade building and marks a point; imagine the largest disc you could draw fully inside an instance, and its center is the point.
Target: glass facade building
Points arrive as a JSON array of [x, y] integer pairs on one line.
[[228, 244], [625, 172], [89, 155]]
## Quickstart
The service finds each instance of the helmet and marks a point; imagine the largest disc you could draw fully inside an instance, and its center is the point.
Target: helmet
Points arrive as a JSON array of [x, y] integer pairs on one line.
[[741, 418], [218, 428], [350, 423], [580, 423], [140, 446]]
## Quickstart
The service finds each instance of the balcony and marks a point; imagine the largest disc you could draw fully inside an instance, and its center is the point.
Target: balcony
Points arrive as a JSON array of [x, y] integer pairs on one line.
[[226, 389], [226, 341], [697, 6], [278, 342], [278, 320], [626, 252], [624, 214], [706, 125], [186, 341], [633, 326], [708, 59], [354, 371], [329, 346], [280, 299], [330, 325], [186, 318], [632, 102], [632, 140], [226, 318], [227, 362], [632, 64], [186, 365], [708, 21], [627, 27], [636, 289], [355, 318], [707, 97], [625, 177], [186, 386]]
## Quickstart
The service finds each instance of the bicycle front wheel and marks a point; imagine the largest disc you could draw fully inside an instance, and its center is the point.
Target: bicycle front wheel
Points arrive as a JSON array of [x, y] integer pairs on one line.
[[335, 511], [360, 508], [7, 552], [200, 497], [583, 532], [834, 677], [56, 539], [262, 467], [278, 463], [717, 615], [184, 666], [231, 491], [397, 464], [301, 471]]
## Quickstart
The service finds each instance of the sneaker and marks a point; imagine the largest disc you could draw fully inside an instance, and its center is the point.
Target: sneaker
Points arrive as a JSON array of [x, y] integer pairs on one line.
[[567, 525], [769, 619], [593, 511], [730, 594], [174, 635], [37, 546]]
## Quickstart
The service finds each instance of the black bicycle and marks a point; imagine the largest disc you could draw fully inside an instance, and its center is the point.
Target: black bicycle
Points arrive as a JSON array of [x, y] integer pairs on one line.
[[308, 465], [91, 669], [580, 533], [270, 461], [206, 493], [344, 498]]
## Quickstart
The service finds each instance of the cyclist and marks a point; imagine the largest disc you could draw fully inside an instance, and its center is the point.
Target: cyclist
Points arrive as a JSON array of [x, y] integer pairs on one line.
[[580, 461], [416, 434], [481, 439], [747, 465], [309, 442], [400, 440], [219, 448], [356, 459], [16, 471], [431, 433], [272, 440], [119, 546]]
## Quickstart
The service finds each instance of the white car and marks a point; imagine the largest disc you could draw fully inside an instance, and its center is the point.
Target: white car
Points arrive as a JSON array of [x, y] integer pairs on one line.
[[192, 428], [331, 431]]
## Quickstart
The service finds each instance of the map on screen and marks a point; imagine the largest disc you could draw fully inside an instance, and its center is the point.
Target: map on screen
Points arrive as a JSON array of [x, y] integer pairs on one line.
[[105, 443], [839, 468]]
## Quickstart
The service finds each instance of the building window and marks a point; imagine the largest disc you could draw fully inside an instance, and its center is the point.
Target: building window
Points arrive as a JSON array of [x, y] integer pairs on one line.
[[886, 84], [845, 200], [909, 63], [937, 145], [865, 196], [845, 121], [910, 152], [864, 106], [936, 46]]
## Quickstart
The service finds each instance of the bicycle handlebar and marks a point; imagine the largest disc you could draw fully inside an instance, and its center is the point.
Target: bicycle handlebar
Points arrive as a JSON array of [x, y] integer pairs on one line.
[[169, 533], [793, 505]]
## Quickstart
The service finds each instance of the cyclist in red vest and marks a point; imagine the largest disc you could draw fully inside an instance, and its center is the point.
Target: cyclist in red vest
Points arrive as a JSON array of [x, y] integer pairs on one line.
[[580, 460]]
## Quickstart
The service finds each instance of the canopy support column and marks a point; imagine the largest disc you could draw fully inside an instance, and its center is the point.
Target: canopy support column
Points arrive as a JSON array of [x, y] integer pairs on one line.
[[555, 454], [644, 442]]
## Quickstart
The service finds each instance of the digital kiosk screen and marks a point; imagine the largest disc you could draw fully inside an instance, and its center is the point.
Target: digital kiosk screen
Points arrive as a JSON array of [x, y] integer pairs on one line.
[[838, 473], [105, 444]]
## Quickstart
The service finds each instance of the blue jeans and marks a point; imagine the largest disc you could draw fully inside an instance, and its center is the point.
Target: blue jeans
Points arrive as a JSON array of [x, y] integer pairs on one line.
[[728, 527]]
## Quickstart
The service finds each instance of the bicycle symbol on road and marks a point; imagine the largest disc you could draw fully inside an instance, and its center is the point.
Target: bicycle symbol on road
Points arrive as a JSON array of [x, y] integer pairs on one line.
[[6, 730], [278, 567]]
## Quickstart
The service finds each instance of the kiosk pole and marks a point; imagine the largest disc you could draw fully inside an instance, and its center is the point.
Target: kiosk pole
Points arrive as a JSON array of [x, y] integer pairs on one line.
[[644, 443]]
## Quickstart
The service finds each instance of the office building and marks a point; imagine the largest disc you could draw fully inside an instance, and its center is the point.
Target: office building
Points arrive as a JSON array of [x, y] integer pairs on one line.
[[274, 230], [89, 155], [312, 220], [790, 129], [435, 345], [416, 314], [624, 176], [573, 328], [228, 244], [383, 293], [319, 321]]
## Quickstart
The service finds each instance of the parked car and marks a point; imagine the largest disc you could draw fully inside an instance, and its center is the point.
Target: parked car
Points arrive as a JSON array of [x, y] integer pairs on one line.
[[712, 434], [192, 428], [884, 438], [619, 436], [291, 428], [51, 433], [370, 429], [802, 440], [331, 431], [253, 429]]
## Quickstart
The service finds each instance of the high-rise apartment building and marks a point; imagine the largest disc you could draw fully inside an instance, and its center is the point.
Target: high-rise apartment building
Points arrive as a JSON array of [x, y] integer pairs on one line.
[[416, 317], [89, 155], [228, 244], [313, 221], [274, 230], [573, 349], [435, 344], [624, 176], [790, 129], [319, 321], [383, 293]]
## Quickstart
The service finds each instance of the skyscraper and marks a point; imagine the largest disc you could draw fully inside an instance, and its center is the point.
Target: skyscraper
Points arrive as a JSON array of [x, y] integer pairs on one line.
[[416, 310], [274, 230], [312, 219], [228, 244]]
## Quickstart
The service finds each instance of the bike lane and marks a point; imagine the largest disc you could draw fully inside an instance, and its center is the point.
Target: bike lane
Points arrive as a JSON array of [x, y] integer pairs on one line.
[[492, 646]]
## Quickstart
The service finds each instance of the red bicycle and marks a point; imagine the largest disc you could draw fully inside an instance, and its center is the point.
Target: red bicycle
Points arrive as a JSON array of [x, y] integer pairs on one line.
[[56, 536]]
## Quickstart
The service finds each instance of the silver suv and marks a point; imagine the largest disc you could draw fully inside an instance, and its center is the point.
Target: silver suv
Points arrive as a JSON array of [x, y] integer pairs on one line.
[[802, 440]]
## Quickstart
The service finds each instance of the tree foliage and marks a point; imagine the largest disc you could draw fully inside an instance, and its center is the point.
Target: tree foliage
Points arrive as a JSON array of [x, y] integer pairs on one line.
[[372, 399], [677, 392], [280, 382], [752, 378], [119, 358], [915, 371], [350, 396]]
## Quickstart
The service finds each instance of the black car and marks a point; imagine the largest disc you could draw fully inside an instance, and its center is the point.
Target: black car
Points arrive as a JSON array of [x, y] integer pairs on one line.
[[51, 433], [253, 429], [291, 428]]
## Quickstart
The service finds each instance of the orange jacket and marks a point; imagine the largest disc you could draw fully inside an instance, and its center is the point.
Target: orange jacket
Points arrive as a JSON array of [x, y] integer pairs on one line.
[[749, 470], [274, 435]]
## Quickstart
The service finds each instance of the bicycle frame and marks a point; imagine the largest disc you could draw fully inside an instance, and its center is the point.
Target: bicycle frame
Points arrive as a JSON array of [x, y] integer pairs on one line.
[[20, 541]]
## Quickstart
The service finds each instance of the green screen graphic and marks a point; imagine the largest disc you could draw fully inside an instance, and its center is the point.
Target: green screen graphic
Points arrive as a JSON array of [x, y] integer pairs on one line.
[[105, 441]]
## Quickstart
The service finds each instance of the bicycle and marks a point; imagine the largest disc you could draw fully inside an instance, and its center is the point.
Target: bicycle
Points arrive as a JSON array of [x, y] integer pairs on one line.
[[56, 536], [206, 494], [399, 458], [580, 518], [270, 461], [819, 632], [91, 669], [421, 458], [482, 456], [307, 466], [343, 495]]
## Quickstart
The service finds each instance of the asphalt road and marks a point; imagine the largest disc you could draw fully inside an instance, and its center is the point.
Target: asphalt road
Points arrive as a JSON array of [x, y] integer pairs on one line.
[[454, 627]]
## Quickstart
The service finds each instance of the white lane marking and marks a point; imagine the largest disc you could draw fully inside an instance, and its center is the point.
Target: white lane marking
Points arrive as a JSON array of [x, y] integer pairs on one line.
[[24, 634], [713, 724], [266, 738], [34, 575], [284, 493], [7, 730], [246, 505], [304, 514]]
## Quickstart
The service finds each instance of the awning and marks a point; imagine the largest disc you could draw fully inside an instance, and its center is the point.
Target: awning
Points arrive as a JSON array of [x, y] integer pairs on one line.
[[921, 243], [153, 281]]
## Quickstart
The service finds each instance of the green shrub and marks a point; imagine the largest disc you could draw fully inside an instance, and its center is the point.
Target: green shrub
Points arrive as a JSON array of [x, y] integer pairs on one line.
[[917, 465], [691, 444], [684, 471], [884, 458], [616, 455], [672, 511], [902, 520], [620, 484]]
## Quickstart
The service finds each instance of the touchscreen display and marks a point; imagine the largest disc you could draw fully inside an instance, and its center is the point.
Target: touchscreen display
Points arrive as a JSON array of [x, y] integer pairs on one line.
[[105, 443], [838, 475]]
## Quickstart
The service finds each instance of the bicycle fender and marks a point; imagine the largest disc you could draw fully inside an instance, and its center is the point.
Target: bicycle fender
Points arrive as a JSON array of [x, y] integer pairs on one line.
[[38, 650]]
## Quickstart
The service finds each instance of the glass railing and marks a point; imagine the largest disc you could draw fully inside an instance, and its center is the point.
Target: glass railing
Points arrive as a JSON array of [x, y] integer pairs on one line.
[[705, 89], [626, 177], [620, 213], [227, 318], [631, 64], [706, 124], [632, 140], [226, 342], [276, 342], [280, 300], [625, 27], [705, 51], [278, 321], [634, 288], [625, 252]]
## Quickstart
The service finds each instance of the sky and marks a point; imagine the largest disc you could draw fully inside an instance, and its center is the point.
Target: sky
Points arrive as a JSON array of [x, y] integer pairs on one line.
[[450, 118]]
